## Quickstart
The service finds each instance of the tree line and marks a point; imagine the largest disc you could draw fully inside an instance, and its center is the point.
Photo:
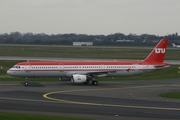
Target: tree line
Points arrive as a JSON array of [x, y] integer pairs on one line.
[[98, 40]]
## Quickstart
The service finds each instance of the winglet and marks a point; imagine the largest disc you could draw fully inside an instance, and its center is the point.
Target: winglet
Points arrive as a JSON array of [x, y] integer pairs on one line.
[[158, 53]]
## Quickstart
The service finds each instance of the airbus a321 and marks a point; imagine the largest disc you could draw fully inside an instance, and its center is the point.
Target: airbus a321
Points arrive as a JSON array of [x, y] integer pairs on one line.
[[85, 71]]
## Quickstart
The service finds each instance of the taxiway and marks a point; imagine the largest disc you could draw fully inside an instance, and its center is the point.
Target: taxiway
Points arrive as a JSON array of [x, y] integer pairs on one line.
[[126, 100]]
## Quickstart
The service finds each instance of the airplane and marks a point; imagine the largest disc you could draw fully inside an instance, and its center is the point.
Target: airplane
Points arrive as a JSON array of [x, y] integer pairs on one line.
[[85, 71], [174, 45]]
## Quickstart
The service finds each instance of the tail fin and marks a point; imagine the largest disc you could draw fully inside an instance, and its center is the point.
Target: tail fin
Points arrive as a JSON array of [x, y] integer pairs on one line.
[[173, 45], [158, 53]]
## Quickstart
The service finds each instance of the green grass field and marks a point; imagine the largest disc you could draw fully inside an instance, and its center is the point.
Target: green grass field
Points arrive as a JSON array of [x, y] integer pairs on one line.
[[18, 116], [175, 95], [84, 52]]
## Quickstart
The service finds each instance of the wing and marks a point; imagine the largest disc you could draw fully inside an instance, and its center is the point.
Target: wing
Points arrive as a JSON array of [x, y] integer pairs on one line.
[[98, 73], [91, 73]]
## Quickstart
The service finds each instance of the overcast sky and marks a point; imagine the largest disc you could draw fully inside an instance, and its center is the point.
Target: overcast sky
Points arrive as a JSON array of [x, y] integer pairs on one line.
[[159, 17]]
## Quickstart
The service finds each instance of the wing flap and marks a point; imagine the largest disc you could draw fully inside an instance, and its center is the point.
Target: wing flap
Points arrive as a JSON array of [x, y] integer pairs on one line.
[[98, 74]]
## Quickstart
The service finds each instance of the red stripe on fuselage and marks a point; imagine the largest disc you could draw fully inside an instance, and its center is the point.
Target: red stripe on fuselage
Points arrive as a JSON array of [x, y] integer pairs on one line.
[[87, 63]]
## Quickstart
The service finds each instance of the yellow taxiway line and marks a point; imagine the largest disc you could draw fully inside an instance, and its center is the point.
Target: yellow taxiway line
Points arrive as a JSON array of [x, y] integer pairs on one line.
[[54, 100], [109, 105]]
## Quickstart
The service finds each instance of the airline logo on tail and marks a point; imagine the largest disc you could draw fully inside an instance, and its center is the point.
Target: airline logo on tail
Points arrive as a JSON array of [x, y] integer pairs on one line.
[[158, 53], [160, 50]]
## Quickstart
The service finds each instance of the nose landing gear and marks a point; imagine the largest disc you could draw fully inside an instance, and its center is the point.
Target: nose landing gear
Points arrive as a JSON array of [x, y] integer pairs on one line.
[[26, 83]]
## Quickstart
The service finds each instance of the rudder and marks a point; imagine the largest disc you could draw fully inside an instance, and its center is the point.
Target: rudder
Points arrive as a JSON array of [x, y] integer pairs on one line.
[[158, 53]]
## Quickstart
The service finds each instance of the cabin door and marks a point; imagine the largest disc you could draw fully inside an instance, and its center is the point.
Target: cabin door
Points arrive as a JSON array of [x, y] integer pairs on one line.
[[27, 68], [144, 66], [61, 67], [102, 66]]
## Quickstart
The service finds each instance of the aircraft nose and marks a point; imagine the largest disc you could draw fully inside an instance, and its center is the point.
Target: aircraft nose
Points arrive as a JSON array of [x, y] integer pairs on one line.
[[9, 72]]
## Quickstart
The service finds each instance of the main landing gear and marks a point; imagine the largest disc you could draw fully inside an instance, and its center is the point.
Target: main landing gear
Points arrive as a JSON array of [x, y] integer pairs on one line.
[[94, 82]]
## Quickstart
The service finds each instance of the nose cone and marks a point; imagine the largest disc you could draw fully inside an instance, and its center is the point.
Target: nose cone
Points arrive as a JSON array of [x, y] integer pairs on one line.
[[9, 72]]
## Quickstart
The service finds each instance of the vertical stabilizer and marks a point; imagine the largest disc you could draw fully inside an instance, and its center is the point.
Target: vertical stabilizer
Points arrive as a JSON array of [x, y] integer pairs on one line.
[[173, 45], [158, 53]]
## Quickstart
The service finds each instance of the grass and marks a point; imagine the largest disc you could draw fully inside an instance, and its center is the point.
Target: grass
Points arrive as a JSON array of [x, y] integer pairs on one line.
[[83, 52], [18, 116], [175, 95]]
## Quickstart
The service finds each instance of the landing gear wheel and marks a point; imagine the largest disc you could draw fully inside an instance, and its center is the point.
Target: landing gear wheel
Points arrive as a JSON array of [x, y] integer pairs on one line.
[[94, 82], [26, 83]]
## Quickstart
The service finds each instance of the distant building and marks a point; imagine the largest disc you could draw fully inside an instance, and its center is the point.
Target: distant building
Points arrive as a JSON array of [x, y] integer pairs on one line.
[[82, 43], [5, 36], [124, 40]]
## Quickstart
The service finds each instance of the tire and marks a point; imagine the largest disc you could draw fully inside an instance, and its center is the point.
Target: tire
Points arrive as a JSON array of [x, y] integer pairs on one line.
[[26, 83], [94, 82]]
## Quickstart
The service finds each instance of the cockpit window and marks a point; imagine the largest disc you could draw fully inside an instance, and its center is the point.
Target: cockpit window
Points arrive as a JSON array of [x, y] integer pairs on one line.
[[16, 67]]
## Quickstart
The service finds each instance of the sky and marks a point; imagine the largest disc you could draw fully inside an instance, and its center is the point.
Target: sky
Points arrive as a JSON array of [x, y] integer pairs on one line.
[[92, 17]]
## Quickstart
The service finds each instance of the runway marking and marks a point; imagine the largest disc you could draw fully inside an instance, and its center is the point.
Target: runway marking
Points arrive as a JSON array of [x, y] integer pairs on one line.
[[109, 105], [54, 100]]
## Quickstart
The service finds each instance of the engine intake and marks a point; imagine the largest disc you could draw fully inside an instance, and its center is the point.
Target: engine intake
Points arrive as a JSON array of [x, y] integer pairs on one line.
[[78, 78]]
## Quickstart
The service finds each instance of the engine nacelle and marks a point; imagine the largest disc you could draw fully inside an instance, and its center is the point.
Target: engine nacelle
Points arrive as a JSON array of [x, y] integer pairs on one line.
[[76, 78]]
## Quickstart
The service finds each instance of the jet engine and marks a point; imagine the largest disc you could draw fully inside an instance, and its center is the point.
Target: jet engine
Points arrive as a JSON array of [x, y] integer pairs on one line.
[[76, 78]]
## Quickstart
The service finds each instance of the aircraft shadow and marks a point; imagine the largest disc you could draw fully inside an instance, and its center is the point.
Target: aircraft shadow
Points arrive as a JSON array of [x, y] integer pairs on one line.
[[32, 84]]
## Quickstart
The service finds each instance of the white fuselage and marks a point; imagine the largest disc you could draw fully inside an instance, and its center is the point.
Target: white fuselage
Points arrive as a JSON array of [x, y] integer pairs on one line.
[[68, 70]]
